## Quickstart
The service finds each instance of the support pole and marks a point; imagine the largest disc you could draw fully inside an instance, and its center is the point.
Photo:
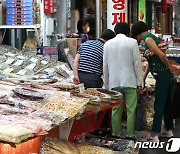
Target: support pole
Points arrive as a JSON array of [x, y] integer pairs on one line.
[[98, 18]]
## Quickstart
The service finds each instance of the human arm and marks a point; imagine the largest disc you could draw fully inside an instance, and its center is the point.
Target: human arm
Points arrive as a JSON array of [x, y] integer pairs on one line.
[[105, 68], [155, 49], [145, 75], [75, 69], [137, 66]]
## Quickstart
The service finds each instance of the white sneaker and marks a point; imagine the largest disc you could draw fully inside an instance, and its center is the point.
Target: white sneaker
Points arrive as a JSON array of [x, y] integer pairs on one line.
[[149, 138], [165, 133]]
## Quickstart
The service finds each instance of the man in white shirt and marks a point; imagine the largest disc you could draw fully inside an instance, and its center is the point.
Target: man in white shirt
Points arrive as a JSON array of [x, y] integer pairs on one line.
[[122, 71]]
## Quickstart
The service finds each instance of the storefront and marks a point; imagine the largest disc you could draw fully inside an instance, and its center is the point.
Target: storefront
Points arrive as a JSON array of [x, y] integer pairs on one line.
[[160, 16]]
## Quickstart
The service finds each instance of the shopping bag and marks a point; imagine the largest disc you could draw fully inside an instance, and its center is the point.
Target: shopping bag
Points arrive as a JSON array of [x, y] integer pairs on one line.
[[141, 122]]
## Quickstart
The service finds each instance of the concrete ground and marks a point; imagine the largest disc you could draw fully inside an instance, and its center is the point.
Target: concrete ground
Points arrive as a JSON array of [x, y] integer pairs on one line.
[[176, 132]]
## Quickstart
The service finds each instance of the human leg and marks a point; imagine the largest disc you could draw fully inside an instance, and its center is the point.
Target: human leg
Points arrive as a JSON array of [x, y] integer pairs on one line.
[[131, 103], [116, 118], [161, 93]]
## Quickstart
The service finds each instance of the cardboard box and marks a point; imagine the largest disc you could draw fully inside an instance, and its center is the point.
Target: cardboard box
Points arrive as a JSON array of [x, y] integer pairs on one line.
[[73, 44]]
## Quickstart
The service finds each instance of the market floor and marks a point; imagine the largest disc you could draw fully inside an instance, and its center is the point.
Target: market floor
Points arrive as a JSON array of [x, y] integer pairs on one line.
[[176, 132]]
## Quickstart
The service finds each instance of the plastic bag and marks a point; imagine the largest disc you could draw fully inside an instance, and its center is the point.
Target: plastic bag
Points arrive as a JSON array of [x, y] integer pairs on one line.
[[55, 117]]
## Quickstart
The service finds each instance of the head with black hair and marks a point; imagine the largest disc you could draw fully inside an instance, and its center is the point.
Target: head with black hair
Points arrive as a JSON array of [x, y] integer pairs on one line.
[[122, 28], [82, 26], [107, 35], [138, 28]]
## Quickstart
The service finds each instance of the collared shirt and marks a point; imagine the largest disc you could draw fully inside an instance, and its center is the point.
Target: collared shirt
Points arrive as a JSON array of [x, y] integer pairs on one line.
[[122, 63], [91, 57]]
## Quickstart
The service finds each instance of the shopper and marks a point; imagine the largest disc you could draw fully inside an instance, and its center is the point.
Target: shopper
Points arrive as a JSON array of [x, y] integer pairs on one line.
[[123, 72], [83, 28], [88, 62], [31, 42], [159, 67]]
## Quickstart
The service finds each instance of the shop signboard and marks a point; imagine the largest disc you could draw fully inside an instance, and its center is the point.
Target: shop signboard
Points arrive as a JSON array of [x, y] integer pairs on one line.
[[142, 10], [48, 6], [116, 12]]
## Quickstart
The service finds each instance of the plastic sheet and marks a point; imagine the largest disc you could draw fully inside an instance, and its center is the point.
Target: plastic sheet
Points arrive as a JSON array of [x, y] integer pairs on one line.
[[54, 117], [69, 105], [8, 110], [14, 134]]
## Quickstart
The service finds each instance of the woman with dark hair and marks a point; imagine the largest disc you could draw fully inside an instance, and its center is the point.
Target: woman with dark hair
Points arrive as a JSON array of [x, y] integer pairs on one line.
[[83, 28], [160, 69]]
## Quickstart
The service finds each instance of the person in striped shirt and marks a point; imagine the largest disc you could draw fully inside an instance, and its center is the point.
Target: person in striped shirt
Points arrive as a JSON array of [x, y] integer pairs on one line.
[[88, 63]]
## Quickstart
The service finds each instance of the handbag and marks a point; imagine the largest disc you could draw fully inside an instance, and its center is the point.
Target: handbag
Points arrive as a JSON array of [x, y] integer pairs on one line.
[[141, 122]]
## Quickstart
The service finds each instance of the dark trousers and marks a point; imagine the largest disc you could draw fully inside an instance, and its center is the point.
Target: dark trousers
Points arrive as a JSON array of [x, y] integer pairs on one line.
[[162, 101], [90, 80]]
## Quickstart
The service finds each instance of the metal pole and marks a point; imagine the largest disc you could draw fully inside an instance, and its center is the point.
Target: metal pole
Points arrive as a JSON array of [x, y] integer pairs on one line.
[[98, 18]]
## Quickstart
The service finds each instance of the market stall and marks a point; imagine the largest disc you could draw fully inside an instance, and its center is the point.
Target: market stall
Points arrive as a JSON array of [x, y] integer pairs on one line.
[[38, 99], [174, 52]]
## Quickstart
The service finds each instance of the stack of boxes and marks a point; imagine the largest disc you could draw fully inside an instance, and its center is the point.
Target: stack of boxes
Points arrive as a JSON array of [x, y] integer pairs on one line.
[[19, 12]]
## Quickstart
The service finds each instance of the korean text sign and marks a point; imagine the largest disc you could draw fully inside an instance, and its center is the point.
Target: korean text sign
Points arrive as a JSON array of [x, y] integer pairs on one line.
[[48, 6], [116, 12]]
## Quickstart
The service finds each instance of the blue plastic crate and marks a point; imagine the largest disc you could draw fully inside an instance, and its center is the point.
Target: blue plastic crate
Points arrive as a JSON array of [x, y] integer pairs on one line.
[[19, 23], [18, 20], [22, 1], [15, 16], [18, 5], [19, 12], [19, 9]]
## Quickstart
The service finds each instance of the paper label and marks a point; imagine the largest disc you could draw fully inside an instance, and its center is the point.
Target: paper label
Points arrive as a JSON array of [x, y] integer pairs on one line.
[[9, 61], [21, 72], [10, 54], [31, 66], [34, 60], [44, 62], [21, 57], [18, 63], [8, 70]]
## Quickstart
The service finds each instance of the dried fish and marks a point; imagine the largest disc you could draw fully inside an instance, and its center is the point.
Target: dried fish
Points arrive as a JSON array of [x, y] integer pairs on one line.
[[31, 94]]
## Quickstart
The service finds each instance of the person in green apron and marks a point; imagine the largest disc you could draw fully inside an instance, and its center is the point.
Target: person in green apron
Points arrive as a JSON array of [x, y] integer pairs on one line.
[[160, 69]]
